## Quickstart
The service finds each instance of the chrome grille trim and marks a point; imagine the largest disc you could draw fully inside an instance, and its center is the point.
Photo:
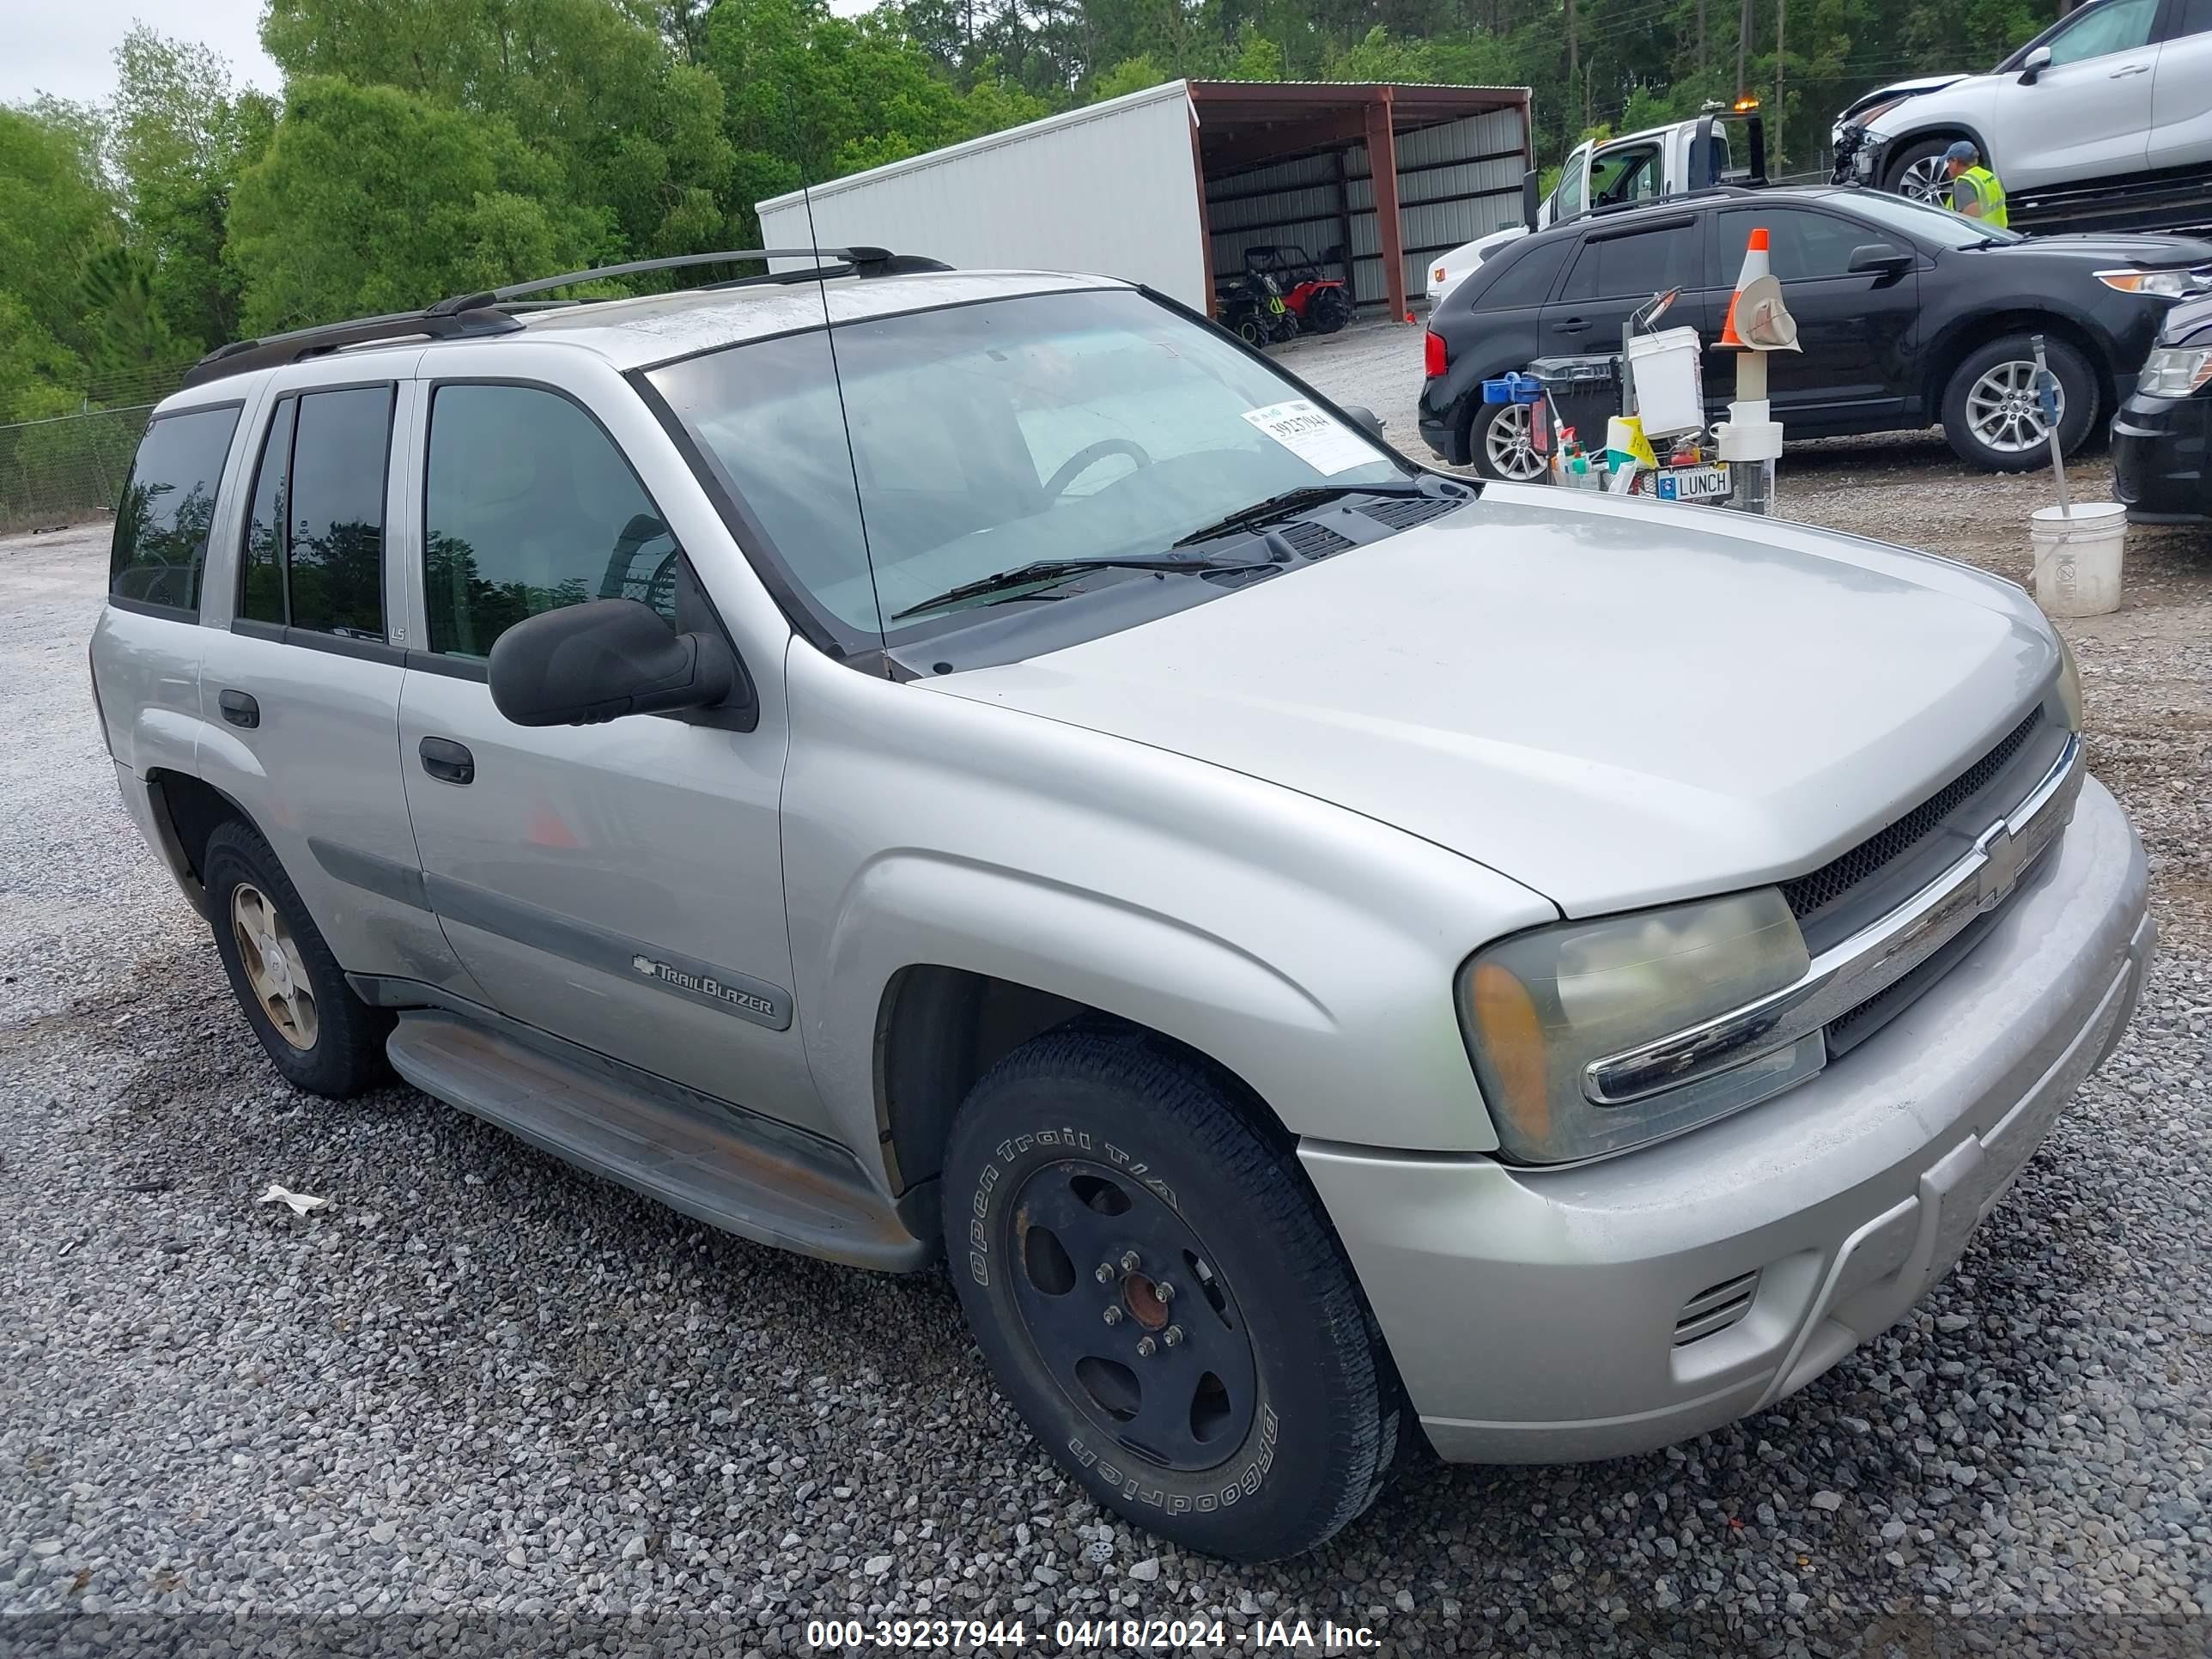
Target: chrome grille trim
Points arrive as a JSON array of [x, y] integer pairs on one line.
[[1861, 967]]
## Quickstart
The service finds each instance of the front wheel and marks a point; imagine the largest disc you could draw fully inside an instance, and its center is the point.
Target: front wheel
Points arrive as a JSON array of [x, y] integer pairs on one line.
[[1158, 1291], [1989, 409], [1917, 172]]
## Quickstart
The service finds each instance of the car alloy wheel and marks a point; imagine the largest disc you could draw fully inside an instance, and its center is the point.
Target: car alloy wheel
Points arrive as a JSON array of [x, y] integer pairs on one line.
[[270, 956], [1924, 181], [2002, 411], [1123, 1306], [1509, 445]]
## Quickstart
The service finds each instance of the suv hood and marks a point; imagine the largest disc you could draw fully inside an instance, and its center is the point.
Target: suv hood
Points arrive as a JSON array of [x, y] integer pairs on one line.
[[2144, 252], [1614, 704]]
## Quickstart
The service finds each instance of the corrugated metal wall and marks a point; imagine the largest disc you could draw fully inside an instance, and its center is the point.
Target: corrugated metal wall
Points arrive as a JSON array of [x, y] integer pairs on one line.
[[1110, 190], [1446, 196]]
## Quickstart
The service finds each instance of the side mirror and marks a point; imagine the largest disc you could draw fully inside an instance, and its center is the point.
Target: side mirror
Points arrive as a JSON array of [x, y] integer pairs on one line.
[[1879, 259], [587, 663], [2033, 65], [1366, 420], [1529, 199]]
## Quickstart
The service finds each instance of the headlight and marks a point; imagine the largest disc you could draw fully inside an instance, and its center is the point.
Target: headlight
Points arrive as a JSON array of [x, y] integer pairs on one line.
[[2070, 687], [2160, 284], [2176, 371], [1546, 1010]]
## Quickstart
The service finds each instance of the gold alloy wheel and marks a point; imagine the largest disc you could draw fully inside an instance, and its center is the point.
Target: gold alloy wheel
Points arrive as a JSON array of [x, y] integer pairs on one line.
[[271, 960]]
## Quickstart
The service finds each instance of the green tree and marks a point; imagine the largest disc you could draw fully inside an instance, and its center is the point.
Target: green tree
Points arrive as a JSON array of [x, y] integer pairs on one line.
[[179, 136], [371, 199], [57, 208], [38, 375]]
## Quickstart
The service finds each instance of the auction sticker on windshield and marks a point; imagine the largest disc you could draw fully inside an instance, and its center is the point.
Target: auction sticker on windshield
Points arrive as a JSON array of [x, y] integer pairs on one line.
[[1314, 435]]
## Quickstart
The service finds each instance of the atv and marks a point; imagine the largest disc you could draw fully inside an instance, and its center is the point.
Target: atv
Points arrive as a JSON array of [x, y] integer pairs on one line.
[[1322, 304], [1252, 307]]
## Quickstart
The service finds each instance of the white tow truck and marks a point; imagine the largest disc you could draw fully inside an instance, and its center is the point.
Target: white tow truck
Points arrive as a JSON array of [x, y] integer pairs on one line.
[[1725, 144]]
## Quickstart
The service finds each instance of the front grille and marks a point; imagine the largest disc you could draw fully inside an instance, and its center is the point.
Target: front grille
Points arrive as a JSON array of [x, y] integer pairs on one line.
[[1838, 877], [1404, 512], [1711, 1311]]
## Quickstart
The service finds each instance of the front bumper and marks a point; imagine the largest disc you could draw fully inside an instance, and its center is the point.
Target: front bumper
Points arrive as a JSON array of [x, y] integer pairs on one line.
[[1533, 1315], [2162, 458]]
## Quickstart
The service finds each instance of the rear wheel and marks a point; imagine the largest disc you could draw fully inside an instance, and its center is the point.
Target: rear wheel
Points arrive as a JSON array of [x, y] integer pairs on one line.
[[1501, 443], [314, 1030], [1157, 1289], [1989, 409], [1327, 311], [1917, 172]]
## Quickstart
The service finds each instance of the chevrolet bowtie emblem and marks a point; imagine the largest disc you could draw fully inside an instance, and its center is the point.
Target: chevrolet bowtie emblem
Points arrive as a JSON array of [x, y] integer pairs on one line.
[[2000, 866]]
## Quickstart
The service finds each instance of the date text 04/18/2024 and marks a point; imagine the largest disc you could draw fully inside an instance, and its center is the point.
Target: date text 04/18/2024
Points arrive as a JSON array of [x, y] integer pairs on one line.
[[1077, 1635]]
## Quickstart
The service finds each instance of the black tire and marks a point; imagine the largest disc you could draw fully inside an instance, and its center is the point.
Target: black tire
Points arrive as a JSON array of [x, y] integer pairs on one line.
[[343, 1054], [1327, 311], [1896, 176], [1272, 1415], [1480, 421], [2020, 448]]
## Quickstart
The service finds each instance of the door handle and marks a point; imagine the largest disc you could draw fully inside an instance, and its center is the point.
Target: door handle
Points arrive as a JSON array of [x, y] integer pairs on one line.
[[1573, 326], [2132, 68], [448, 761], [238, 708]]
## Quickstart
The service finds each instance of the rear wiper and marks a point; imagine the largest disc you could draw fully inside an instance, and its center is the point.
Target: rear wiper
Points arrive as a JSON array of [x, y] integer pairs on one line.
[[1291, 501], [1050, 570]]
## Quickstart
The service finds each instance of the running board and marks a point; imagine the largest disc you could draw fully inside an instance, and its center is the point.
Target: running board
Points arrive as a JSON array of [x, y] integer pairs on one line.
[[767, 1184]]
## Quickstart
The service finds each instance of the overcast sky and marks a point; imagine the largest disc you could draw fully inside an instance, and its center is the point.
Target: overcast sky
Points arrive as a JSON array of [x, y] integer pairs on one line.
[[66, 47]]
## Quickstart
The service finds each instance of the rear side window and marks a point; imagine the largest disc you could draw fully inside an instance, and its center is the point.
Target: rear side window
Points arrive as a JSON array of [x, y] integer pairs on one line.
[[1804, 244], [1636, 266], [168, 506], [1526, 280], [314, 542], [530, 507]]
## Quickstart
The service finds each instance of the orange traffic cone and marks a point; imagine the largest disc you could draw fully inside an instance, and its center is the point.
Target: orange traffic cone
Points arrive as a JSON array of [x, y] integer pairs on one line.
[[1756, 263]]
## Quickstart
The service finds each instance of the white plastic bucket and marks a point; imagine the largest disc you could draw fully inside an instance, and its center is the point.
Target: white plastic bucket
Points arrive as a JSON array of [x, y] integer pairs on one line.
[[1670, 393], [2077, 559]]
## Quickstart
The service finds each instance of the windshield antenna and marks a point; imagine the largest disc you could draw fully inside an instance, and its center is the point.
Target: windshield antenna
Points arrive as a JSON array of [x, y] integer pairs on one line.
[[844, 419]]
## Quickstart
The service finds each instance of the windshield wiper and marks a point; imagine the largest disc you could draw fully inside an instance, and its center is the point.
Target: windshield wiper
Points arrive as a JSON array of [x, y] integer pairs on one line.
[[1291, 501], [1051, 570]]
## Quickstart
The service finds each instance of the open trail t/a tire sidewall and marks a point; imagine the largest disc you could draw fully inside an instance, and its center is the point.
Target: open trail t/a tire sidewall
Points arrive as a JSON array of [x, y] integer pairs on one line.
[[1322, 1426]]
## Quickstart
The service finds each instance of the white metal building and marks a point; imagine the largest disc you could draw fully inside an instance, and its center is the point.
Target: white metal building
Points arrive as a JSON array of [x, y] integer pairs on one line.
[[1170, 185]]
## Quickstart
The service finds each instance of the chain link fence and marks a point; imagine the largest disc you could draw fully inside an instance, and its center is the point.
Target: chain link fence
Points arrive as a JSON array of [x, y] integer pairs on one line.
[[66, 469], [71, 467]]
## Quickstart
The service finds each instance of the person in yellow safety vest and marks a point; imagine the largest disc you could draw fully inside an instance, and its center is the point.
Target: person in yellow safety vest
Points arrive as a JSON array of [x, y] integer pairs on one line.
[[1975, 191]]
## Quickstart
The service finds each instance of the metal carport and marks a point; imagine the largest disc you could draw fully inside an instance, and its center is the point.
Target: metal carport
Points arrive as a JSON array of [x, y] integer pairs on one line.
[[1167, 185], [1278, 158]]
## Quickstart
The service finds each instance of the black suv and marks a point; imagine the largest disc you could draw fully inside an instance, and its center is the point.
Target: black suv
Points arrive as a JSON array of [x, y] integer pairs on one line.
[[1909, 315]]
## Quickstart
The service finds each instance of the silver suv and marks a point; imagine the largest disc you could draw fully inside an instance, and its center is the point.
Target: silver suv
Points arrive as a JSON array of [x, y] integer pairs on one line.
[[901, 763]]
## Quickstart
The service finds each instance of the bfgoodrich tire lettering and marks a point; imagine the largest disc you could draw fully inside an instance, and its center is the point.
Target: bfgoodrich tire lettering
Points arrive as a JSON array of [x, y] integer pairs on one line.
[[1135, 1163]]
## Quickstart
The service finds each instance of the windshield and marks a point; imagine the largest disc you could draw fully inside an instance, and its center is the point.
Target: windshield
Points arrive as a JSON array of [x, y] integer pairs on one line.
[[985, 438], [1926, 220]]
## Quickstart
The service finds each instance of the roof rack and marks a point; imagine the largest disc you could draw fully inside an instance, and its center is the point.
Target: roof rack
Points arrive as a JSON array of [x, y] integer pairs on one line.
[[467, 316]]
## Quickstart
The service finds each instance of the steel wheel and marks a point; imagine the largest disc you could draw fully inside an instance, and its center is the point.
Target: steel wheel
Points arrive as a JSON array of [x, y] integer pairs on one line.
[[1510, 448], [1923, 181], [273, 967], [2002, 411], [1121, 1304]]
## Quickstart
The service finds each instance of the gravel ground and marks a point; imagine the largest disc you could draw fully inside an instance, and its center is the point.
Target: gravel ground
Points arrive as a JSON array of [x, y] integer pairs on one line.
[[483, 1387]]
